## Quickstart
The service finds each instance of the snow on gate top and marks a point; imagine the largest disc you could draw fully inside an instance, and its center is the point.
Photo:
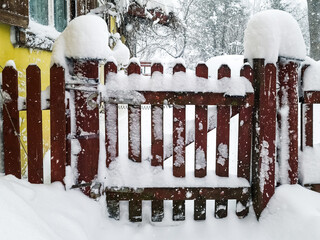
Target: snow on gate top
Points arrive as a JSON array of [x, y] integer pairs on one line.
[[273, 33]]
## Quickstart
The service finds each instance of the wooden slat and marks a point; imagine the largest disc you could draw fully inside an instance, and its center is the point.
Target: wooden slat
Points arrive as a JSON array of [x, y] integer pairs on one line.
[[222, 144], [113, 207], [190, 98], [157, 210], [308, 125], [87, 124], [244, 142], [134, 121], [177, 193], [179, 148], [264, 133], [135, 210], [200, 209], [11, 146], [111, 121], [58, 124], [157, 126], [34, 125]]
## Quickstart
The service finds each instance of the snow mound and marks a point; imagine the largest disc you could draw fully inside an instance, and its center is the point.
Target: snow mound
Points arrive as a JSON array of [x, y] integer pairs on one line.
[[273, 33], [309, 165], [85, 37], [311, 78]]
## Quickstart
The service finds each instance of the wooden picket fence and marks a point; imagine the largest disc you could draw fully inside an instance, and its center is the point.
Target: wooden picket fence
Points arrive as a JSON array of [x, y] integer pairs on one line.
[[256, 144]]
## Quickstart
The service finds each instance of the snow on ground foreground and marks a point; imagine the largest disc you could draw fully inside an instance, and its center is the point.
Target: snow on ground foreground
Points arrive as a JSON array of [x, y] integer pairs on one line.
[[47, 212]]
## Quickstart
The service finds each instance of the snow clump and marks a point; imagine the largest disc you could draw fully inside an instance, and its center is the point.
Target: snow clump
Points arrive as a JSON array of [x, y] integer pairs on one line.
[[273, 33]]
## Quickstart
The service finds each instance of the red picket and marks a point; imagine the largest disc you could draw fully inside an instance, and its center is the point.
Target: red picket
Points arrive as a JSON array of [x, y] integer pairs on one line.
[[11, 131], [68, 133], [157, 127], [111, 118], [222, 144], [87, 123], [34, 125], [179, 145], [308, 124], [244, 141], [134, 121], [58, 124], [201, 125]]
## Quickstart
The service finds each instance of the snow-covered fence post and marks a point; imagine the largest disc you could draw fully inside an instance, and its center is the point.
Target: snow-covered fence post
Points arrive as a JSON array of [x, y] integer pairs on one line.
[[34, 125], [134, 121], [87, 119], [244, 142], [111, 119], [58, 123], [288, 124], [222, 144], [201, 125], [179, 145], [11, 146], [264, 134]]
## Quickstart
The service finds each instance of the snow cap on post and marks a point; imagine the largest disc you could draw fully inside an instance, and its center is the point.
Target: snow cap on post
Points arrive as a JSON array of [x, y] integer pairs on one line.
[[273, 33], [86, 37]]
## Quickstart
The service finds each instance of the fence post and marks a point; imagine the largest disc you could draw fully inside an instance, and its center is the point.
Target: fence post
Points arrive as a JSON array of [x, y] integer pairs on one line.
[[87, 119], [34, 125], [222, 144], [57, 123], [288, 98], [11, 146], [307, 118], [264, 134]]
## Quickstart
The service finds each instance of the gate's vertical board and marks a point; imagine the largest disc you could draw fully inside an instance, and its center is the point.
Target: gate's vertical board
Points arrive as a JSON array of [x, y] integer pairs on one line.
[[87, 124], [134, 121], [179, 145], [157, 211], [201, 125], [307, 118], [34, 125], [11, 146], [264, 132], [68, 133], [288, 96], [222, 145], [308, 124], [111, 118], [157, 126], [135, 210], [58, 124], [244, 142]]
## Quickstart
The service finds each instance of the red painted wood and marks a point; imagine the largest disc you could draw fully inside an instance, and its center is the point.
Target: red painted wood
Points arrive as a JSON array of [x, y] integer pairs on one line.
[[111, 117], [264, 132], [34, 125], [68, 134], [134, 121], [58, 124], [156, 67], [133, 68], [308, 125], [192, 98], [87, 124], [201, 125], [157, 127], [179, 148], [12, 162], [222, 144]]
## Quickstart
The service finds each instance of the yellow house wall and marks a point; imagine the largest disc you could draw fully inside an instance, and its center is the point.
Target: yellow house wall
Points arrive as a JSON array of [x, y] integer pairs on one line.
[[22, 58]]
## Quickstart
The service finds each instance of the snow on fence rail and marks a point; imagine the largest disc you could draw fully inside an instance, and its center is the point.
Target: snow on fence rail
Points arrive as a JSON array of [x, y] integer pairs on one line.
[[75, 117]]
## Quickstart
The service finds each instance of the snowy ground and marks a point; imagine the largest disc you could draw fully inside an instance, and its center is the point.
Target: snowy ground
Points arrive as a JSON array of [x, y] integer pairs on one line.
[[48, 212]]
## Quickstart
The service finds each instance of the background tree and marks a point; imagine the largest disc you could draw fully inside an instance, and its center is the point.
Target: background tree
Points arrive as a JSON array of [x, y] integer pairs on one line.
[[314, 28]]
